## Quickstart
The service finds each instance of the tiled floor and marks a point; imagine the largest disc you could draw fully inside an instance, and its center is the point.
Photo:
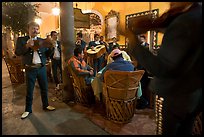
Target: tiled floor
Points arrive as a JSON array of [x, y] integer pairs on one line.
[[67, 119]]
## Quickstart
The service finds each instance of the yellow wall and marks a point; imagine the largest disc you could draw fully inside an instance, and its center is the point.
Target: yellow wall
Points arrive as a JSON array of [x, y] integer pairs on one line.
[[124, 8]]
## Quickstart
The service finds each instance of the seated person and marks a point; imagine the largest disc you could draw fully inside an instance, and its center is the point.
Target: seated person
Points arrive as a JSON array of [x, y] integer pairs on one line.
[[125, 56], [118, 64], [79, 65]]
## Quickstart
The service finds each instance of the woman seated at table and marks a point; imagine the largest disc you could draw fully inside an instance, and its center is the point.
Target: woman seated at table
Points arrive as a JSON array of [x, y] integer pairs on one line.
[[79, 65]]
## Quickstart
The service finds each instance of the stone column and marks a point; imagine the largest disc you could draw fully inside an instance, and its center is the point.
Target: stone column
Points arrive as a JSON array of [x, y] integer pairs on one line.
[[67, 41]]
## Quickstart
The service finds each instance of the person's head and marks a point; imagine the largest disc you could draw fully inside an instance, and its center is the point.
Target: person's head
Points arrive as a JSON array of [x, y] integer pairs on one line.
[[54, 35], [79, 36], [114, 39], [101, 38], [116, 53], [116, 47], [143, 38], [33, 29], [96, 37], [78, 52]]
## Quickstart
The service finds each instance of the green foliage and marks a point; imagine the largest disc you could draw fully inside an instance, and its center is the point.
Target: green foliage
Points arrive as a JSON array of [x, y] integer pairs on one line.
[[16, 15]]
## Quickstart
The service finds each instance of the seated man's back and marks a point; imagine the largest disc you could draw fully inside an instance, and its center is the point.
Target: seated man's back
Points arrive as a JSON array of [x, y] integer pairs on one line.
[[118, 64]]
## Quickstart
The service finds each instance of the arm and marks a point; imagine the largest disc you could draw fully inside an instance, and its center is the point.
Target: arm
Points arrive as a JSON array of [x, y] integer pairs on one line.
[[176, 45], [76, 68]]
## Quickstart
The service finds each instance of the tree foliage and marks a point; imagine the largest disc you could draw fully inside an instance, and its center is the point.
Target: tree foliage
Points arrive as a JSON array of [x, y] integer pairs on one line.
[[16, 15]]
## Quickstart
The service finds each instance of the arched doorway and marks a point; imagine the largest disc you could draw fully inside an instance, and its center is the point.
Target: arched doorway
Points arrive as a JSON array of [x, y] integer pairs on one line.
[[96, 22]]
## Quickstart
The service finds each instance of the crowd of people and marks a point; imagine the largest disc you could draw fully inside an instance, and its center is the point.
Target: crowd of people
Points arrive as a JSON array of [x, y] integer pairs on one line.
[[35, 51], [175, 68]]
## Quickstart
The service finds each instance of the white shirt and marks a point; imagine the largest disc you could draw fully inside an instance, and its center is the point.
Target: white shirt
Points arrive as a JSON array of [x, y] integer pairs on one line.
[[36, 57], [97, 42], [56, 52]]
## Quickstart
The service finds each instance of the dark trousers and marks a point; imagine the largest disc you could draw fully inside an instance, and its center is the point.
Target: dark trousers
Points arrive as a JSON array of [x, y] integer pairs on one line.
[[41, 76], [56, 64], [97, 64], [179, 113]]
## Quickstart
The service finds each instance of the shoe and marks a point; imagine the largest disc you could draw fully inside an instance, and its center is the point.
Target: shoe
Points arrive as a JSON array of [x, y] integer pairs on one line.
[[50, 108], [25, 115], [57, 87]]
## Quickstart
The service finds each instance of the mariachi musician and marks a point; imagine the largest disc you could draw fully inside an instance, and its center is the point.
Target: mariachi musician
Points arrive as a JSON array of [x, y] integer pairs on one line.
[[97, 62], [177, 68]]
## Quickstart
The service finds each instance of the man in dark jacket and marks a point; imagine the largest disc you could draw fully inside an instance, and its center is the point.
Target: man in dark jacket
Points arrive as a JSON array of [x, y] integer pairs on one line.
[[113, 43], [80, 41], [97, 62], [56, 59], [34, 52], [177, 68]]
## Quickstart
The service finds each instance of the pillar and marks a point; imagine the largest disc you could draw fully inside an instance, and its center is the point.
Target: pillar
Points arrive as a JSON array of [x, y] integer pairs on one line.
[[67, 43]]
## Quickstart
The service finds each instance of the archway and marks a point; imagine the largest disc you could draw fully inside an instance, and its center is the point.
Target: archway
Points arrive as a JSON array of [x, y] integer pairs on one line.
[[96, 22]]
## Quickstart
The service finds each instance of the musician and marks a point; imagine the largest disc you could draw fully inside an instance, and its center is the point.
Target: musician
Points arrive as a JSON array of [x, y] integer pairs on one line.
[[102, 42], [97, 63], [80, 41], [56, 59], [34, 55], [177, 68], [113, 43], [143, 41]]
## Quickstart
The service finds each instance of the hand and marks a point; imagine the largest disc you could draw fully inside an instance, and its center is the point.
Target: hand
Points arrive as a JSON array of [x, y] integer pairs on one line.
[[91, 72], [30, 43], [33, 44]]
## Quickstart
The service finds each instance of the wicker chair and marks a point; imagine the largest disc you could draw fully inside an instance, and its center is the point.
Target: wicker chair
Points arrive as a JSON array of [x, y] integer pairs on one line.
[[120, 93], [83, 93], [15, 70], [197, 128]]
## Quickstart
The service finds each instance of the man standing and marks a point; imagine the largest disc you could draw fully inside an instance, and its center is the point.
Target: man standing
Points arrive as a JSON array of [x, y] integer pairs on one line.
[[97, 63], [143, 41], [113, 43], [80, 41], [56, 59], [34, 53], [177, 69]]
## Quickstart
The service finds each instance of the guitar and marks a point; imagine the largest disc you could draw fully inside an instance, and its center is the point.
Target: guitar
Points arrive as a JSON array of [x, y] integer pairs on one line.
[[96, 52]]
